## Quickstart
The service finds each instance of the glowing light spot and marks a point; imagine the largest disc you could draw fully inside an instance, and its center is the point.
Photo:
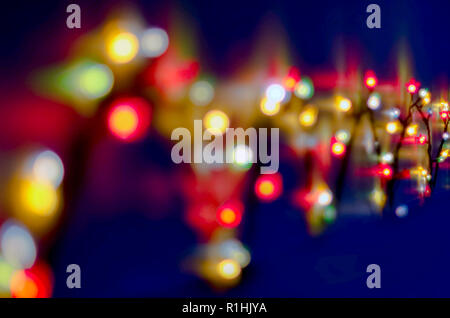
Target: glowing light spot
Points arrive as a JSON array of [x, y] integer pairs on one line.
[[342, 135], [201, 93], [338, 148], [275, 93], [387, 157], [154, 42], [308, 116], [378, 197], [227, 216], [95, 80], [123, 121], [374, 101], [325, 197], [421, 139], [242, 156], [230, 214], [269, 187], [392, 127], [291, 79], [423, 92], [123, 47], [412, 86], [39, 197], [233, 249], [370, 79], [229, 269], [35, 282], [289, 83], [216, 122], [17, 245], [344, 104], [304, 88], [129, 118], [411, 130], [393, 113], [269, 107], [445, 135], [23, 286], [385, 171], [48, 167]]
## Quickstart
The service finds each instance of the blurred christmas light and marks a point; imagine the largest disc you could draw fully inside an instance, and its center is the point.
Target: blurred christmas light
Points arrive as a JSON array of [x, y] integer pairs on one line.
[[445, 135], [290, 81], [23, 286], [269, 107], [337, 148], [46, 166], [275, 93], [17, 245], [393, 113], [425, 95], [233, 249], [129, 118], [229, 269], [154, 42], [343, 136], [123, 121], [444, 106], [393, 127], [38, 197], [35, 282], [216, 122], [370, 79], [385, 171], [387, 157], [324, 197], [308, 116], [304, 88], [201, 93], [343, 104], [419, 171], [269, 187], [412, 86], [421, 139], [374, 101], [94, 80], [401, 211], [411, 130], [378, 197], [423, 92], [242, 156], [123, 47], [230, 214]]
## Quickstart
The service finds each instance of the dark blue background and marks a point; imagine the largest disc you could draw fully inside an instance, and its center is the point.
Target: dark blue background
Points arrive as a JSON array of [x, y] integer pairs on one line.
[[125, 253]]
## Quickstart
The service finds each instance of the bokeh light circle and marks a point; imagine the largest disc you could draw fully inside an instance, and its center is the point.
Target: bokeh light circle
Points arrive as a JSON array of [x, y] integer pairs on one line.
[[17, 245], [154, 42]]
